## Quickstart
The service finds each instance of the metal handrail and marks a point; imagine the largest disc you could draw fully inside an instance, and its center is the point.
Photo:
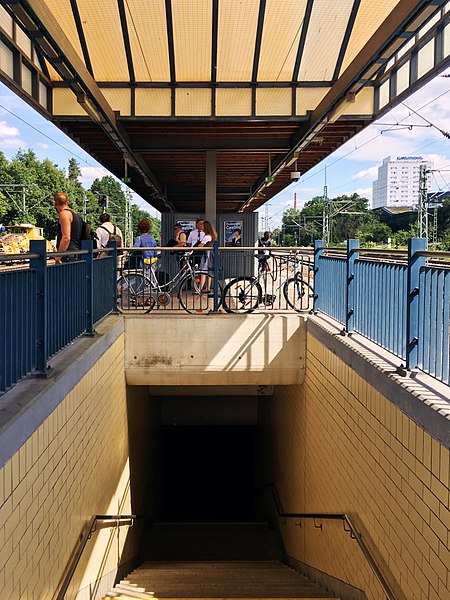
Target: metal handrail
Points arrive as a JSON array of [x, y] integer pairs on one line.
[[82, 544], [354, 534]]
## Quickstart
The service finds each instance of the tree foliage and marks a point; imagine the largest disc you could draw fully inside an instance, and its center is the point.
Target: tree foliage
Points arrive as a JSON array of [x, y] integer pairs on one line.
[[28, 185]]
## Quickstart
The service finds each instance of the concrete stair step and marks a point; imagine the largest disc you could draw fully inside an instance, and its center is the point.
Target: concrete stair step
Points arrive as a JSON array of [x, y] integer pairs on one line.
[[127, 590], [222, 579]]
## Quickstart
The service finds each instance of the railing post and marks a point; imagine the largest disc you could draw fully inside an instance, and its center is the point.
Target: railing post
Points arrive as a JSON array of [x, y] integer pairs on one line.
[[415, 263], [89, 258], [40, 266], [113, 254], [318, 252], [216, 276], [352, 257]]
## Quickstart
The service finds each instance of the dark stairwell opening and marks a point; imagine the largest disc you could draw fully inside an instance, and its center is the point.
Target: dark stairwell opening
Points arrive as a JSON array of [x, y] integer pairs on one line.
[[208, 473]]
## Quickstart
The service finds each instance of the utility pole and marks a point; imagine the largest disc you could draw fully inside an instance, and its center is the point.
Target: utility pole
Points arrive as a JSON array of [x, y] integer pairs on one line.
[[128, 234], [84, 205], [326, 226], [422, 211]]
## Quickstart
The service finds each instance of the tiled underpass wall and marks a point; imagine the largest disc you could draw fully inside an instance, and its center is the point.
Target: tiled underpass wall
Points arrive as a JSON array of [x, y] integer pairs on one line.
[[337, 445], [76, 464]]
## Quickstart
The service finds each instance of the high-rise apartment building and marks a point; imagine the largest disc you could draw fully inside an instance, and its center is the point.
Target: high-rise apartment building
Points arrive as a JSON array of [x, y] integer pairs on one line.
[[398, 181]]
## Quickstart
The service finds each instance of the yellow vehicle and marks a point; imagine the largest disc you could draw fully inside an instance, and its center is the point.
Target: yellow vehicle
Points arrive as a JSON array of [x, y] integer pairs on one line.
[[16, 238]]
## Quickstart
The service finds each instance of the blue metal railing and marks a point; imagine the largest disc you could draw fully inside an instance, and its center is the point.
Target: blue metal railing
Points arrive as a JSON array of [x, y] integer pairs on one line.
[[66, 301], [401, 305], [332, 270], [434, 322], [104, 291], [380, 304], [18, 326], [44, 307]]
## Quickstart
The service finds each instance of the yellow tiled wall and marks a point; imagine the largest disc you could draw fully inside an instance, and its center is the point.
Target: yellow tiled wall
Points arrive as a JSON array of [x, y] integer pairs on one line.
[[337, 445], [75, 465]]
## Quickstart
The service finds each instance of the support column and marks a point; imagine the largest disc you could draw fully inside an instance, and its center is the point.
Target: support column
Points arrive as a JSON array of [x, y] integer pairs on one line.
[[211, 186]]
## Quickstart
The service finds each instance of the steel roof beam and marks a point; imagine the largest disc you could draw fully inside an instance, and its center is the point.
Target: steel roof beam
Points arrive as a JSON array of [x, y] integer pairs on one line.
[[81, 36]]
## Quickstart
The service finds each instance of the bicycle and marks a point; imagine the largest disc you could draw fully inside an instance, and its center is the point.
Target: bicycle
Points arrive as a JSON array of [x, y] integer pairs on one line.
[[142, 291], [246, 293]]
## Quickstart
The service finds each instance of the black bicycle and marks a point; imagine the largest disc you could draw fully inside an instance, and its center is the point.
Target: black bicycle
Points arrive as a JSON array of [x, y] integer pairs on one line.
[[247, 293]]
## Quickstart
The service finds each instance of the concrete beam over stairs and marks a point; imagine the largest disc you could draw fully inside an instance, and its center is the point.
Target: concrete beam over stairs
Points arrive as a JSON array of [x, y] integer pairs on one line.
[[255, 349]]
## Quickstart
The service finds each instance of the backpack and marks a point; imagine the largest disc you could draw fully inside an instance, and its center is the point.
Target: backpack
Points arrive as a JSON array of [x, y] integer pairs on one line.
[[86, 232], [113, 236]]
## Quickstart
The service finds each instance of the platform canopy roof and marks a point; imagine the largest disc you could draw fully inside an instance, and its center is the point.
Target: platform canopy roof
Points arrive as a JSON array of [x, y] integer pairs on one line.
[[147, 86]]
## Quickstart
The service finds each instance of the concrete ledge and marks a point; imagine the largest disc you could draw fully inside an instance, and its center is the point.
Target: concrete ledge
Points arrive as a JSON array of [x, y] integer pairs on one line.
[[229, 350], [424, 399], [26, 406]]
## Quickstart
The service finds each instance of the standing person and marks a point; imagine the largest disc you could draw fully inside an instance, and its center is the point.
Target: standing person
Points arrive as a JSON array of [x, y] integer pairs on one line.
[[180, 236], [207, 260], [145, 240], [179, 241], [196, 236], [68, 228], [105, 230], [263, 257]]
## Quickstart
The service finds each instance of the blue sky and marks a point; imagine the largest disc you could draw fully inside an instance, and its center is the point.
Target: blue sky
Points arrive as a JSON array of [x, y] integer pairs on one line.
[[352, 168]]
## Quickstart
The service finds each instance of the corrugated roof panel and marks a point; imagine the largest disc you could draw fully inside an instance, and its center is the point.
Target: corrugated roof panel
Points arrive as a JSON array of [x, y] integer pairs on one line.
[[309, 98], [236, 39], [425, 58], [447, 40], [65, 103], [370, 16], [62, 12], [6, 22], [324, 39], [148, 38], [104, 39], [233, 102], [273, 101], [153, 102], [192, 31], [193, 102], [281, 33], [119, 99], [402, 78], [54, 76], [363, 104]]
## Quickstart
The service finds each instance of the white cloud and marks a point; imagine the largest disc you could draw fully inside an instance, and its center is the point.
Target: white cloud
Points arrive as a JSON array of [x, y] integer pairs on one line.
[[88, 174], [7, 130], [43, 145], [369, 173], [12, 143]]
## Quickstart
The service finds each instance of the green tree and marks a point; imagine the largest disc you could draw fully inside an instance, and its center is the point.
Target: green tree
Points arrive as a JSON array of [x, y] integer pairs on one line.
[[137, 214], [116, 199], [74, 172]]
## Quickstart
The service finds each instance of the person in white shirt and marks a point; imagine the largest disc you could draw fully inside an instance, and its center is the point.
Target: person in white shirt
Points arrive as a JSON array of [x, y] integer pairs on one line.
[[196, 236], [104, 231]]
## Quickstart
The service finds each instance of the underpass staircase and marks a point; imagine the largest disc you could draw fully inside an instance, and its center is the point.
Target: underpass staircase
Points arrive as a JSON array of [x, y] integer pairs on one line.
[[214, 560]]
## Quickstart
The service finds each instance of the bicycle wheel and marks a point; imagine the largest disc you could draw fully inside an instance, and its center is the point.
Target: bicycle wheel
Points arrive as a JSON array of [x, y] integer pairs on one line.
[[298, 293], [195, 300], [242, 294], [134, 293]]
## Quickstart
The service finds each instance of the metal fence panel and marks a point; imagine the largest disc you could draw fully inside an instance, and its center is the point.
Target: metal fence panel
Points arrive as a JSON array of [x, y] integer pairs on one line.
[[434, 319], [18, 326], [380, 308], [332, 283], [66, 296], [103, 287]]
